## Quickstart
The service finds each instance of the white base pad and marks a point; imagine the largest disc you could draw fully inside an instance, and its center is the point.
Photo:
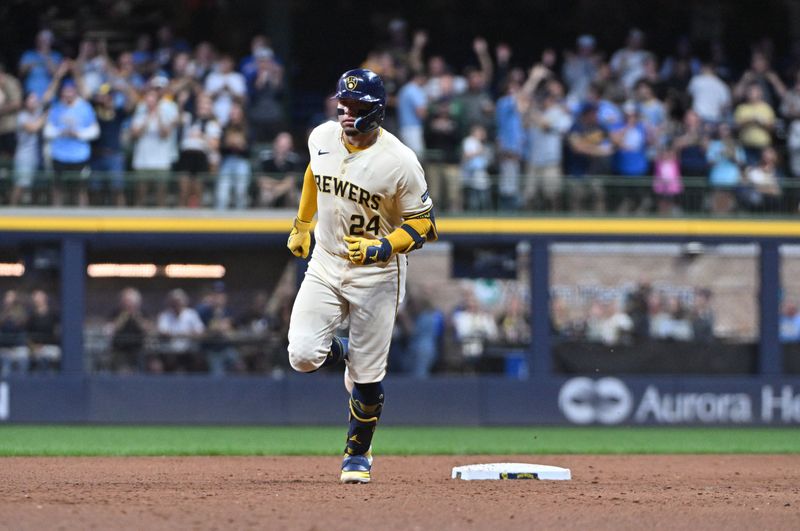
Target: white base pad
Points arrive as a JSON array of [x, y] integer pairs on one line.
[[510, 471]]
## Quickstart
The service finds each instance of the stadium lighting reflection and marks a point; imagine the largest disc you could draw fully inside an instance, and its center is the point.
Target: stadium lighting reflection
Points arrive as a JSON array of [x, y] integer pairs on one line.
[[12, 269], [151, 270], [122, 270], [194, 271]]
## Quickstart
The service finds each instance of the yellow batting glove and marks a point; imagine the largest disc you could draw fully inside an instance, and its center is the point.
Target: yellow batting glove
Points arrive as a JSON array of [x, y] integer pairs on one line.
[[363, 251], [300, 238]]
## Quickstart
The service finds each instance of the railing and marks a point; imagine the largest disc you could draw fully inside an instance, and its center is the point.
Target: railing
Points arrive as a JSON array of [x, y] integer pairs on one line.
[[239, 352], [602, 195], [615, 195], [159, 189]]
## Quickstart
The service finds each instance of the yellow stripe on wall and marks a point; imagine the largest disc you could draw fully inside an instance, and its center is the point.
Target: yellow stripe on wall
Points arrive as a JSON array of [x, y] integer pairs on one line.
[[627, 227], [160, 224], [485, 226]]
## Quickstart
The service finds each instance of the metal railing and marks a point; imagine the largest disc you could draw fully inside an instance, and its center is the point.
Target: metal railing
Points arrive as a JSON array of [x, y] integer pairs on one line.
[[600, 195], [143, 189]]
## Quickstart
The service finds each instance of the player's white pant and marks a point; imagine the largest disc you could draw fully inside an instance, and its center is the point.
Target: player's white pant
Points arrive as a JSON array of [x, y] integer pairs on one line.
[[333, 289]]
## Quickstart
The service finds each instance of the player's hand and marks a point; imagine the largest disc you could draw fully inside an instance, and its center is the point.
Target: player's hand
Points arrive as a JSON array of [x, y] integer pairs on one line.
[[300, 238], [367, 251]]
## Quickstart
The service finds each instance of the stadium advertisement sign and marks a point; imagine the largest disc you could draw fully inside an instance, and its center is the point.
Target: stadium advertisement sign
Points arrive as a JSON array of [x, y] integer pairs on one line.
[[604, 401], [611, 401]]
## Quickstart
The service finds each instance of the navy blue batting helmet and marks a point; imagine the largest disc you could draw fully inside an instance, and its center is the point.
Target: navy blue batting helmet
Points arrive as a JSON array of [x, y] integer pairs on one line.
[[367, 86]]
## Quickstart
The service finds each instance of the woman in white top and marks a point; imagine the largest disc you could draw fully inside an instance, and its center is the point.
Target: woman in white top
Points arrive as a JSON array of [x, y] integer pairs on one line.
[[153, 131], [199, 154]]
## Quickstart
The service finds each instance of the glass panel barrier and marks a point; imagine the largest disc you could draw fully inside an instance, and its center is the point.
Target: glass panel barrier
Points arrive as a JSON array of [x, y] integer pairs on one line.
[[30, 328], [654, 308]]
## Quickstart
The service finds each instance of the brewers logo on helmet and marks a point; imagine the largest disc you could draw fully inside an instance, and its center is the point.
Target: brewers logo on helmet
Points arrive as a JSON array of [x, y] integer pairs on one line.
[[351, 82]]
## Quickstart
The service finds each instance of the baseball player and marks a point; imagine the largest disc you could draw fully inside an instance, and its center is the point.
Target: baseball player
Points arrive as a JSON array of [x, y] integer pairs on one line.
[[372, 204]]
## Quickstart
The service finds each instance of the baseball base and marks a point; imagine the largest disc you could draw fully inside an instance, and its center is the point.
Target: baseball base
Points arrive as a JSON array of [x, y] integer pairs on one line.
[[510, 471]]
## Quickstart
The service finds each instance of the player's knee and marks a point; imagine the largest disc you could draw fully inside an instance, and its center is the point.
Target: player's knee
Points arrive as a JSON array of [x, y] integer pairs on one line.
[[369, 393], [305, 355], [366, 402], [301, 364]]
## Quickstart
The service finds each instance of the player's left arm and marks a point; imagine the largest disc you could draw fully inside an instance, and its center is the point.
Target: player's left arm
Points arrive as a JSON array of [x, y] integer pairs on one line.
[[411, 235], [415, 231], [419, 226]]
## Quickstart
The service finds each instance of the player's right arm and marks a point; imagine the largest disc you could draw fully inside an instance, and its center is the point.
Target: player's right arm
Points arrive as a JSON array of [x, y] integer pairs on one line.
[[300, 237]]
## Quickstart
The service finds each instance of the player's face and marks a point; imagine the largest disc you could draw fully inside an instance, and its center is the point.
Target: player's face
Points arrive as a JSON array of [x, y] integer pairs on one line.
[[348, 110]]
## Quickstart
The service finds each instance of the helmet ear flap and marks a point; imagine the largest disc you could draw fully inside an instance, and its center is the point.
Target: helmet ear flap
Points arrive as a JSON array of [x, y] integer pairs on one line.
[[371, 120]]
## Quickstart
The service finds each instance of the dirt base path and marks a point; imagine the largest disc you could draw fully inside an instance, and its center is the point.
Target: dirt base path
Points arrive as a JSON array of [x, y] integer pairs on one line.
[[606, 492]]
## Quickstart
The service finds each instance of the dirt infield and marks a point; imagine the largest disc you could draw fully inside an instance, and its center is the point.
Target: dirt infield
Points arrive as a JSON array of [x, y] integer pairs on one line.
[[607, 492]]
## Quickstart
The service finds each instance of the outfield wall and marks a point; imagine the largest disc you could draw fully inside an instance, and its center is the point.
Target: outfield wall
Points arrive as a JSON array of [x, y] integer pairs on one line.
[[75, 396], [318, 399]]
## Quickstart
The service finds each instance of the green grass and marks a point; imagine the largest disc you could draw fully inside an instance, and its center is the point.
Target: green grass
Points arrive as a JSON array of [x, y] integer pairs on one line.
[[219, 440]]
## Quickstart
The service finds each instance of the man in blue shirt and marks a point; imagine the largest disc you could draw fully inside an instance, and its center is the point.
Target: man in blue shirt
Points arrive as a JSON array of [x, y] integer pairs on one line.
[[38, 65], [71, 125], [631, 143], [510, 145], [412, 108]]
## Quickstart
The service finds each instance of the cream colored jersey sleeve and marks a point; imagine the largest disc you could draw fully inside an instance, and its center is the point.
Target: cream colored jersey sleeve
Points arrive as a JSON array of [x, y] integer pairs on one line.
[[412, 197]]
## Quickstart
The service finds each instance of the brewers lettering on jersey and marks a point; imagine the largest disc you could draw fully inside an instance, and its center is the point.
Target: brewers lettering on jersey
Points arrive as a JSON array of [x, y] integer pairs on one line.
[[372, 205]]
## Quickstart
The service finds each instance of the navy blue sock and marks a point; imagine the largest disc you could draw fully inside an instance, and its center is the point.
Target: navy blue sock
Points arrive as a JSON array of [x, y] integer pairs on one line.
[[337, 353], [366, 405]]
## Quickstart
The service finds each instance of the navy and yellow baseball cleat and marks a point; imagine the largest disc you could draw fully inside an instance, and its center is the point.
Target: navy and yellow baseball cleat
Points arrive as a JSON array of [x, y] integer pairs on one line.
[[357, 468]]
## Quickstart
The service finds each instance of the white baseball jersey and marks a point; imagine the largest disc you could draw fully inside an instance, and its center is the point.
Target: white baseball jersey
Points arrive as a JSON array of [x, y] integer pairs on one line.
[[366, 193]]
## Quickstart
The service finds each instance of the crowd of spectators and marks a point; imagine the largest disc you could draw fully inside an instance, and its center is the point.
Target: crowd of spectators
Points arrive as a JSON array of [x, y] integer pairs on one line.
[[203, 333], [161, 123], [489, 321], [640, 315], [552, 136], [206, 334], [194, 124], [492, 322]]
